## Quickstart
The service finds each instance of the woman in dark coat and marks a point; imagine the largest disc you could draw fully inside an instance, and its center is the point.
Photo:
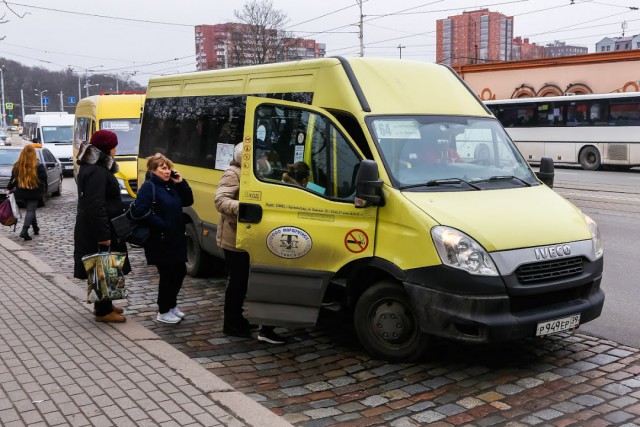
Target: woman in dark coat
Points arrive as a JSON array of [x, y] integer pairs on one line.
[[160, 200], [98, 201], [29, 183]]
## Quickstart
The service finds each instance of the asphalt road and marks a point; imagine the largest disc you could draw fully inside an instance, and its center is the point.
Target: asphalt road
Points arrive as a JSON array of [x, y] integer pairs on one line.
[[613, 200]]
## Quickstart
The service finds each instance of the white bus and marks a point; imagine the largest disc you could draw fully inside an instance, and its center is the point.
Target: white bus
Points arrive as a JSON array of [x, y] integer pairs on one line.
[[592, 130], [53, 130]]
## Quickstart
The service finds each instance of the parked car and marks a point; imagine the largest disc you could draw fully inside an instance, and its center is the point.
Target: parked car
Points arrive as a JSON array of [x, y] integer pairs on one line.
[[4, 138], [9, 155]]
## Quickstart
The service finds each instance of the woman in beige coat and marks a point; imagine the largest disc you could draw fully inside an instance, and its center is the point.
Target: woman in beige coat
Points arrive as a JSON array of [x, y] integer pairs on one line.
[[237, 260]]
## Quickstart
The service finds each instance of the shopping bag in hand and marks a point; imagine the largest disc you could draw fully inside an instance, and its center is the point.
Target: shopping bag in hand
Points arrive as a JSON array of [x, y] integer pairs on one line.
[[105, 279], [7, 216]]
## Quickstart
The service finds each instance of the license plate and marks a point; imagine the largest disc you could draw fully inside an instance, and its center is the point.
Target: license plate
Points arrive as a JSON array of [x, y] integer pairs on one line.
[[558, 325], [68, 166]]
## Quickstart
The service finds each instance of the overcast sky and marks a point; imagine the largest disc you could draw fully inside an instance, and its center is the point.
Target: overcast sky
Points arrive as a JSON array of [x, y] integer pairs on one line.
[[151, 37]]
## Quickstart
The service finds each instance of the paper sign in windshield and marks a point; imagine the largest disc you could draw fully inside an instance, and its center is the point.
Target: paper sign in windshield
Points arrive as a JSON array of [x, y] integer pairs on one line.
[[405, 129]]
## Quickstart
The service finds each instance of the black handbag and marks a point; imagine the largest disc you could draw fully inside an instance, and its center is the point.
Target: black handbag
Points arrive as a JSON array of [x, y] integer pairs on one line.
[[122, 227], [139, 229]]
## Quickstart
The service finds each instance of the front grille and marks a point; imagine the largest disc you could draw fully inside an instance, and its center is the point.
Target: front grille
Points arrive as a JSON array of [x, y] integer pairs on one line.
[[549, 270], [134, 185], [548, 299], [65, 159], [4, 181]]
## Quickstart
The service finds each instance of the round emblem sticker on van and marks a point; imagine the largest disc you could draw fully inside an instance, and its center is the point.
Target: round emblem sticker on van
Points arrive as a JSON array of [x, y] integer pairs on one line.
[[289, 242]]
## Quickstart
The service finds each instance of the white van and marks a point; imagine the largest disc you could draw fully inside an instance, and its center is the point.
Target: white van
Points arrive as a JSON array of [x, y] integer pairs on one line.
[[54, 130]]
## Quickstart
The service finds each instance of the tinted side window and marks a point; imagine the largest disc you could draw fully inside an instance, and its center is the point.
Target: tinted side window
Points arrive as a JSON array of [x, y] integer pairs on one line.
[[82, 130]]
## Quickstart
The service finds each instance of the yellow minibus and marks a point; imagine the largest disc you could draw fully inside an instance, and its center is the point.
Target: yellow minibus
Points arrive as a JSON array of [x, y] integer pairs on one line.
[[420, 217], [120, 113]]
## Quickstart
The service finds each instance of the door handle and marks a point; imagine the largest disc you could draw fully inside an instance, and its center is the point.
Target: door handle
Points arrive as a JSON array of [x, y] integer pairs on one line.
[[250, 212]]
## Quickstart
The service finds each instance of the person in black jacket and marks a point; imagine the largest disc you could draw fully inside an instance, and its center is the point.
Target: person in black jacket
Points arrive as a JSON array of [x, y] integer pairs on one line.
[[98, 202], [29, 183], [160, 200]]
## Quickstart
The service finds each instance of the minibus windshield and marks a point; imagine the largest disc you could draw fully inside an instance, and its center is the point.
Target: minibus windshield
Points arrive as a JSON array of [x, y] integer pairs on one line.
[[128, 131], [442, 153], [57, 134]]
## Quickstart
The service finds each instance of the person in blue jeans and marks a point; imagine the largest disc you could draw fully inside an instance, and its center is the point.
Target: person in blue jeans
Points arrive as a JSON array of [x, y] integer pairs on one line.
[[160, 200]]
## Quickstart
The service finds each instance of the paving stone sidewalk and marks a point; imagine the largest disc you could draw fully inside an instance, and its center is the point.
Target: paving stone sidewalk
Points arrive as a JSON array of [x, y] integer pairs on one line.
[[59, 367]]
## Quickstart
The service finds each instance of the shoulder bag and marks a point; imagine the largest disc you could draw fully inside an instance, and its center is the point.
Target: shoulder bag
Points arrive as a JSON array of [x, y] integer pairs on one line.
[[134, 230]]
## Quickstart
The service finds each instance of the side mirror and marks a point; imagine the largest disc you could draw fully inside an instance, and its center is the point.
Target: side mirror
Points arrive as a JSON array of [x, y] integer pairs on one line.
[[368, 185], [546, 173], [36, 140]]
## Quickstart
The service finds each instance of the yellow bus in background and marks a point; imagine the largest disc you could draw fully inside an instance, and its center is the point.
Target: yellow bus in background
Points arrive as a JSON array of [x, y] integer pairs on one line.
[[120, 113]]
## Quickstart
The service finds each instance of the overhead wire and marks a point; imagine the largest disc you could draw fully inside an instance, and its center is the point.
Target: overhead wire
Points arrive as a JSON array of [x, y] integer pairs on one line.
[[408, 11]]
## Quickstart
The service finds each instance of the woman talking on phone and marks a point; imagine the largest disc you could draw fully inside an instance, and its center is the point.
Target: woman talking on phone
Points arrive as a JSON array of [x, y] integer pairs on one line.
[[162, 197]]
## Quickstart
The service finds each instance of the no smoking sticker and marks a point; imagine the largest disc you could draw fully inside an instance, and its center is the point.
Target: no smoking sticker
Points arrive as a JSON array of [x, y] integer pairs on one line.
[[356, 241]]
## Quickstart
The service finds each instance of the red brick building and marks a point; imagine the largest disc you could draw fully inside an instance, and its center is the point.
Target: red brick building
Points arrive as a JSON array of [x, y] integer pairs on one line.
[[231, 45], [522, 49], [474, 37]]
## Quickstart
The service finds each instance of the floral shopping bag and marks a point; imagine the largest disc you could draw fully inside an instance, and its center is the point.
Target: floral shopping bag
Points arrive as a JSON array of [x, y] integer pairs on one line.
[[105, 279]]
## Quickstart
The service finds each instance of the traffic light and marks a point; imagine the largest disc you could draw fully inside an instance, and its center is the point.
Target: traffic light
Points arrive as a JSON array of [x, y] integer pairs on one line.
[[10, 116]]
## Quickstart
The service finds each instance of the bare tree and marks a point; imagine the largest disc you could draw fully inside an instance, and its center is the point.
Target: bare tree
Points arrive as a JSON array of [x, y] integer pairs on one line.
[[3, 17], [262, 39]]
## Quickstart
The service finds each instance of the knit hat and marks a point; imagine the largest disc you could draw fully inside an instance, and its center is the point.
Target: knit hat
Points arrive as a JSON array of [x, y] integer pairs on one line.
[[104, 140]]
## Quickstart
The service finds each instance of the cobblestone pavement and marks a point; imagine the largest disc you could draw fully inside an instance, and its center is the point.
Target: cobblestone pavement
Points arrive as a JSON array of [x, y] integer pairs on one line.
[[323, 376]]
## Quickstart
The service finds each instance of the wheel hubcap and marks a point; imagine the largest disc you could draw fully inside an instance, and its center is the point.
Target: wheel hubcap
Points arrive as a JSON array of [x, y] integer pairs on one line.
[[390, 322]]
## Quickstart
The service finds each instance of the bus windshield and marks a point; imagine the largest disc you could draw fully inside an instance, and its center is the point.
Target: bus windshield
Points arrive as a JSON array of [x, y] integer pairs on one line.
[[128, 131], [444, 153], [57, 134]]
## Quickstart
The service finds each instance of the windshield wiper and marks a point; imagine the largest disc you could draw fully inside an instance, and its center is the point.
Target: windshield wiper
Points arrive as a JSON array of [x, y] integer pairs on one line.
[[504, 178], [439, 182]]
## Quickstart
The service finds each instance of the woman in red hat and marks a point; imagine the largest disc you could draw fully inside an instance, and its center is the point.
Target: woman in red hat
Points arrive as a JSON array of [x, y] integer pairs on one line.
[[98, 202]]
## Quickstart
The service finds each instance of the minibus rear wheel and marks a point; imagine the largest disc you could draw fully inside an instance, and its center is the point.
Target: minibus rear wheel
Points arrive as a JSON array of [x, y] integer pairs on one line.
[[386, 324], [196, 258]]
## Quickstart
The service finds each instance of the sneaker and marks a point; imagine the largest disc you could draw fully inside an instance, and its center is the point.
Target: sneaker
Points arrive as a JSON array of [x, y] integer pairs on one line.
[[269, 335], [167, 317], [112, 317], [176, 312]]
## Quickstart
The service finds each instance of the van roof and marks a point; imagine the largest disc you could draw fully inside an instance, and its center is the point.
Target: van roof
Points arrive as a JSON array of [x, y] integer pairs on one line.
[[370, 85]]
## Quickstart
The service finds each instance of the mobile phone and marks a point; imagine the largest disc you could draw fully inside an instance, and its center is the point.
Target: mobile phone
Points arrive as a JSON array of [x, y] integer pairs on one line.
[[174, 174]]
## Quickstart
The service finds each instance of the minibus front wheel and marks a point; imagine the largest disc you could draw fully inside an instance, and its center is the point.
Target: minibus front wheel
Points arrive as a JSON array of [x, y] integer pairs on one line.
[[386, 324]]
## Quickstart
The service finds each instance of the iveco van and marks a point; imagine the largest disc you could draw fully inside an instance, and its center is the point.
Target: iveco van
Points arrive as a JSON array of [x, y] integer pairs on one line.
[[121, 114], [420, 216]]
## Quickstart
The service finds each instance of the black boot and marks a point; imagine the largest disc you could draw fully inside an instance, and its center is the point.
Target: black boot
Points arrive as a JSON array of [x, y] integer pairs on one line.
[[25, 233], [36, 229]]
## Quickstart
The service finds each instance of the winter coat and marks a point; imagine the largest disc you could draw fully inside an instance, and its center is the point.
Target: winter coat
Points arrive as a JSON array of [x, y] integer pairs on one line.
[[227, 204], [167, 243], [98, 201], [24, 194]]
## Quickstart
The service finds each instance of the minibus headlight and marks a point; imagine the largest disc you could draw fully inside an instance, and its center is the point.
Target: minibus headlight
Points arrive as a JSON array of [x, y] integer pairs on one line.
[[595, 236], [123, 187], [458, 250]]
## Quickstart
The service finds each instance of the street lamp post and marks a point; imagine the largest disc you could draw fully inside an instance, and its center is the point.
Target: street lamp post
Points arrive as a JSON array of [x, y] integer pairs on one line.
[[87, 85], [4, 116], [40, 92]]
